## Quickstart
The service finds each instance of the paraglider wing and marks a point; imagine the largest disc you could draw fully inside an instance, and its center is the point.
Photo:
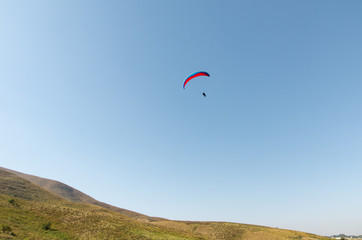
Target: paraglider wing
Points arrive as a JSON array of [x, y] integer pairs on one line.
[[194, 75]]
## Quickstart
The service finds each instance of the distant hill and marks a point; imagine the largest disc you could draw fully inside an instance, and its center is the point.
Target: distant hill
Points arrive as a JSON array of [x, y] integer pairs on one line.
[[26, 208], [74, 195], [340, 236], [55, 187]]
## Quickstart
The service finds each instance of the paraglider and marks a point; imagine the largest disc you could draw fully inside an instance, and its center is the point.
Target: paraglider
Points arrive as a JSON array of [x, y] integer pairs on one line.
[[194, 75]]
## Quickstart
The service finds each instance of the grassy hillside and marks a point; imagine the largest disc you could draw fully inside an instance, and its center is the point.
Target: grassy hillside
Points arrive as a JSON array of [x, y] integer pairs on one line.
[[74, 195], [26, 208], [226, 230]]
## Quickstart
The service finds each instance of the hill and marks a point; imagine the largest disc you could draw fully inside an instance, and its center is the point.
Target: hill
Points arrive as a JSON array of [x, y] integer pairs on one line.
[[26, 208], [74, 195]]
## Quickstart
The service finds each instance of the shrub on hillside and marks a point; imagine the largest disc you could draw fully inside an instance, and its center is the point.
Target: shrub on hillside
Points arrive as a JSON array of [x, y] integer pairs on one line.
[[6, 228], [46, 226]]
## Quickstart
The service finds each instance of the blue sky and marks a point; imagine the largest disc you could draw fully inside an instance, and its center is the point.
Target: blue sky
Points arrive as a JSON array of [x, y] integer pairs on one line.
[[91, 95]]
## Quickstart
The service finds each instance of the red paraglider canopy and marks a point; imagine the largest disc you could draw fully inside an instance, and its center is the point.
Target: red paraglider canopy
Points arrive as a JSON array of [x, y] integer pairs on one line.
[[194, 75]]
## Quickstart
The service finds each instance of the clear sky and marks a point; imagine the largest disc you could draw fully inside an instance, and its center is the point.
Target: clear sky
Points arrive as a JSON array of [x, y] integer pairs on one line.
[[91, 95]]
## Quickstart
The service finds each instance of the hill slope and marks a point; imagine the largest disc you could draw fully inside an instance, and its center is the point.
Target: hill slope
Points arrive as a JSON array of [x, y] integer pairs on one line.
[[74, 195], [25, 207]]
